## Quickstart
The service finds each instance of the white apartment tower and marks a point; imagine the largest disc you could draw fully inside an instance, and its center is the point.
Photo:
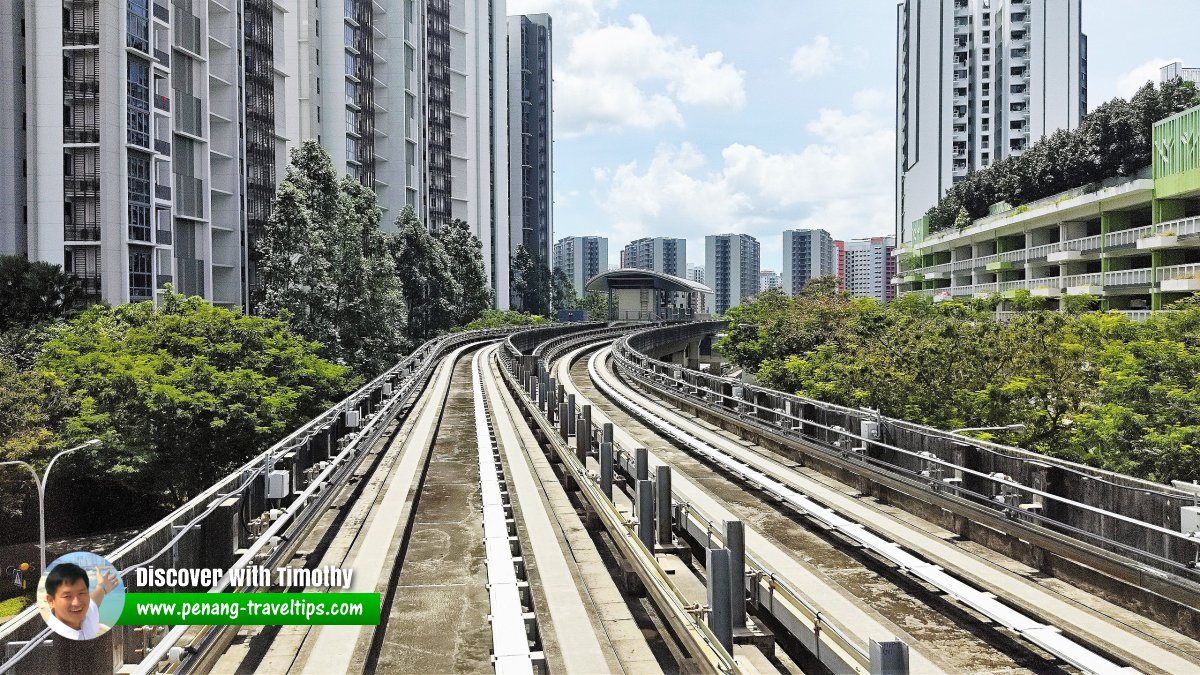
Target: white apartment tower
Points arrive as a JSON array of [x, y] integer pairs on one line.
[[660, 254], [581, 258], [869, 268], [409, 97], [140, 140], [530, 135], [731, 266], [807, 254], [978, 81]]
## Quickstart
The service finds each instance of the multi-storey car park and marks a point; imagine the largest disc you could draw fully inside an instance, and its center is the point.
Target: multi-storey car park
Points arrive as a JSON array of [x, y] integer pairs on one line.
[[1132, 242]]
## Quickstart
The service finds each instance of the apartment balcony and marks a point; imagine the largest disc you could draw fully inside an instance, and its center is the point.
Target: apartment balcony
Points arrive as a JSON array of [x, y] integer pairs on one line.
[[964, 291], [81, 36], [81, 85], [941, 271], [164, 237], [163, 57], [1009, 288], [89, 182], [1074, 249], [1083, 284], [81, 134], [1139, 277], [162, 147], [1182, 227], [87, 232], [162, 192], [88, 281], [1046, 287], [984, 290], [983, 261], [962, 265], [189, 115], [1043, 251], [1179, 278], [161, 12], [189, 198], [162, 102], [187, 33], [1138, 315], [162, 280], [1127, 238]]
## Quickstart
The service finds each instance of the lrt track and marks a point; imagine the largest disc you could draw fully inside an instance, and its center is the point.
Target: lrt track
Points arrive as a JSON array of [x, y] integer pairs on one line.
[[951, 635], [470, 581]]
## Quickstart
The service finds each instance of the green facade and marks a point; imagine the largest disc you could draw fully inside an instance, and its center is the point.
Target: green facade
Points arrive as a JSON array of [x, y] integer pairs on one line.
[[1177, 154]]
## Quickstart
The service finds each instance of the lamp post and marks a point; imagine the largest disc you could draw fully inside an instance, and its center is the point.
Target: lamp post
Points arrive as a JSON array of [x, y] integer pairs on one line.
[[1006, 427], [41, 486]]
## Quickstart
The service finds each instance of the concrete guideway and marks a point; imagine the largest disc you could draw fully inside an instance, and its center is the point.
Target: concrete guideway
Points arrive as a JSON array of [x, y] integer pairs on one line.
[[590, 622], [835, 604], [1124, 636]]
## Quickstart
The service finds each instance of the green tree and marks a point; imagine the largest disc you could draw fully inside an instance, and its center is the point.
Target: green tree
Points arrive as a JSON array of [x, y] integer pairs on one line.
[[596, 305], [32, 402], [563, 291], [503, 318], [425, 277], [33, 293], [465, 252], [182, 394], [324, 264], [530, 282]]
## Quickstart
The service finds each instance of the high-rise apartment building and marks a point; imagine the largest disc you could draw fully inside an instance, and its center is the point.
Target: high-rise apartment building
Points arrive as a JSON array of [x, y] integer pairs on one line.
[[530, 146], [661, 254], [466, 126], [1176, 69], [731, 266], [978, 81], [140, 140], [807, 254], [768, 279], [581, 258], [695, 273], [869, 268]]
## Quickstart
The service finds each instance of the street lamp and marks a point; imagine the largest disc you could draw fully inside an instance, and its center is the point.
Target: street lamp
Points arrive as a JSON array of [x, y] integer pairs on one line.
[[41, 486], [1006, 427]]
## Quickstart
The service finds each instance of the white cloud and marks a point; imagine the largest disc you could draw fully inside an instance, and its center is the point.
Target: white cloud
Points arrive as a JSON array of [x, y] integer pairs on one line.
[[842, 182], [617, 75], [815, 59], [1131, 81]]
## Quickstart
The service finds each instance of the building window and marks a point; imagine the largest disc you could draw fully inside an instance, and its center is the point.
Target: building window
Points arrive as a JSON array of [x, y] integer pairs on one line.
[[137, 25], [139, 196], [138, 115], [141, 272]]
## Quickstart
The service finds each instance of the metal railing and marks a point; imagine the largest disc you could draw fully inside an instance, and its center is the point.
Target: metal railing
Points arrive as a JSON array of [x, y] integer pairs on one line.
[[1083, 244], [318, 454], [1139, 277], [1148, 535], [1127, 237], [1190, 271], [1075, 280]]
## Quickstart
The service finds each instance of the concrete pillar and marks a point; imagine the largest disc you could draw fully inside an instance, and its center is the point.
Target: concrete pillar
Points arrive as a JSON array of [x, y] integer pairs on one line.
[[571, 414], [551, 403], [607, 433], [606, 470], [583, 435], [719, 619], [641, 464], [662, 502], [645, 513], [735, 541], [562, 421]]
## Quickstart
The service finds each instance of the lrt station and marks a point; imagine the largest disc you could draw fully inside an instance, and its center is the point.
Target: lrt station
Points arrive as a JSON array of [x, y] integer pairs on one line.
[[1133, 243], [588, 498], [646, 295]]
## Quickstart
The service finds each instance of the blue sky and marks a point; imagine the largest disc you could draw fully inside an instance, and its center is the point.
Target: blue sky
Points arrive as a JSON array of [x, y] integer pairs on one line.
[[676, 118]]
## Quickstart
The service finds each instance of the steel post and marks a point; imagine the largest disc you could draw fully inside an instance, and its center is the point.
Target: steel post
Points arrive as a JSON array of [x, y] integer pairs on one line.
[[735, 541], [641, 464], [645, 511], [719, 619], [583, 435], [662, 501], [606, 470], [562, 421]]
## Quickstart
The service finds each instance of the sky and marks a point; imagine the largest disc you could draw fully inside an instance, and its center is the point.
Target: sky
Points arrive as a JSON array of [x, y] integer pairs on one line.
[[682, 118]]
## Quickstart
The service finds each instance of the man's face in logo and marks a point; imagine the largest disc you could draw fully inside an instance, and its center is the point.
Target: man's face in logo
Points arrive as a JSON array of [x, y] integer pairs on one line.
[[70, 602]]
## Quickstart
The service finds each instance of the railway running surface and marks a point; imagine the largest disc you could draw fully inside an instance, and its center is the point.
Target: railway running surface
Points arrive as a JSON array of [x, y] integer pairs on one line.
[[530, 507]]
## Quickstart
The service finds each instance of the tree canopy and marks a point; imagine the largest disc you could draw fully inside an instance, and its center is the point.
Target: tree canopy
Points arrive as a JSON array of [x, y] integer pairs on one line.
[[1113, 140], [33, 293], [183, 393], [1088, 386]]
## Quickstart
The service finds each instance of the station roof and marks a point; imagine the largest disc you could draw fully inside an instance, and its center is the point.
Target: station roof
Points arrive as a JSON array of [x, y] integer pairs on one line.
[[635, 278]]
